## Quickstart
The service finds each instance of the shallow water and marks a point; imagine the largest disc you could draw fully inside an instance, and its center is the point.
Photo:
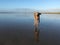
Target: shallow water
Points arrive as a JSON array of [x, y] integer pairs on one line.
[[18, 29], [50, 29]]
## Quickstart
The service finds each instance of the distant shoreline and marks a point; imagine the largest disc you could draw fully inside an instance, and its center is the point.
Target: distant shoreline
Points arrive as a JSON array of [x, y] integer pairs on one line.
[[51, 13], [30, 12], [14, 12]]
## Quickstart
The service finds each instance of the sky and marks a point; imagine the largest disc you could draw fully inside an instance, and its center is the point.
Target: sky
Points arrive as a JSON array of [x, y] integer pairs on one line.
[[32, 4]]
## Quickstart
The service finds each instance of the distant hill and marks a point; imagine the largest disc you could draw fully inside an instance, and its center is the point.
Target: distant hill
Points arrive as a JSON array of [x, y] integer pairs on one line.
[[17, 10], [27, 10], [50, 11]]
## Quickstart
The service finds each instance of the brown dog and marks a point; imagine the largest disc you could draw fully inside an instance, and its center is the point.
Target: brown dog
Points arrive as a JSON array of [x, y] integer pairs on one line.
[[36, 19]]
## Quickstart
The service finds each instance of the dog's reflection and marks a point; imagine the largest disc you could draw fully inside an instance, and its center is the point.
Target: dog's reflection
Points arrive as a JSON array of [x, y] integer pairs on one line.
[[36, 26]]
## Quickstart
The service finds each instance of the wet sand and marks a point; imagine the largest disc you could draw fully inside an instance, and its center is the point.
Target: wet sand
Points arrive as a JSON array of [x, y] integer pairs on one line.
[[16, 29]]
